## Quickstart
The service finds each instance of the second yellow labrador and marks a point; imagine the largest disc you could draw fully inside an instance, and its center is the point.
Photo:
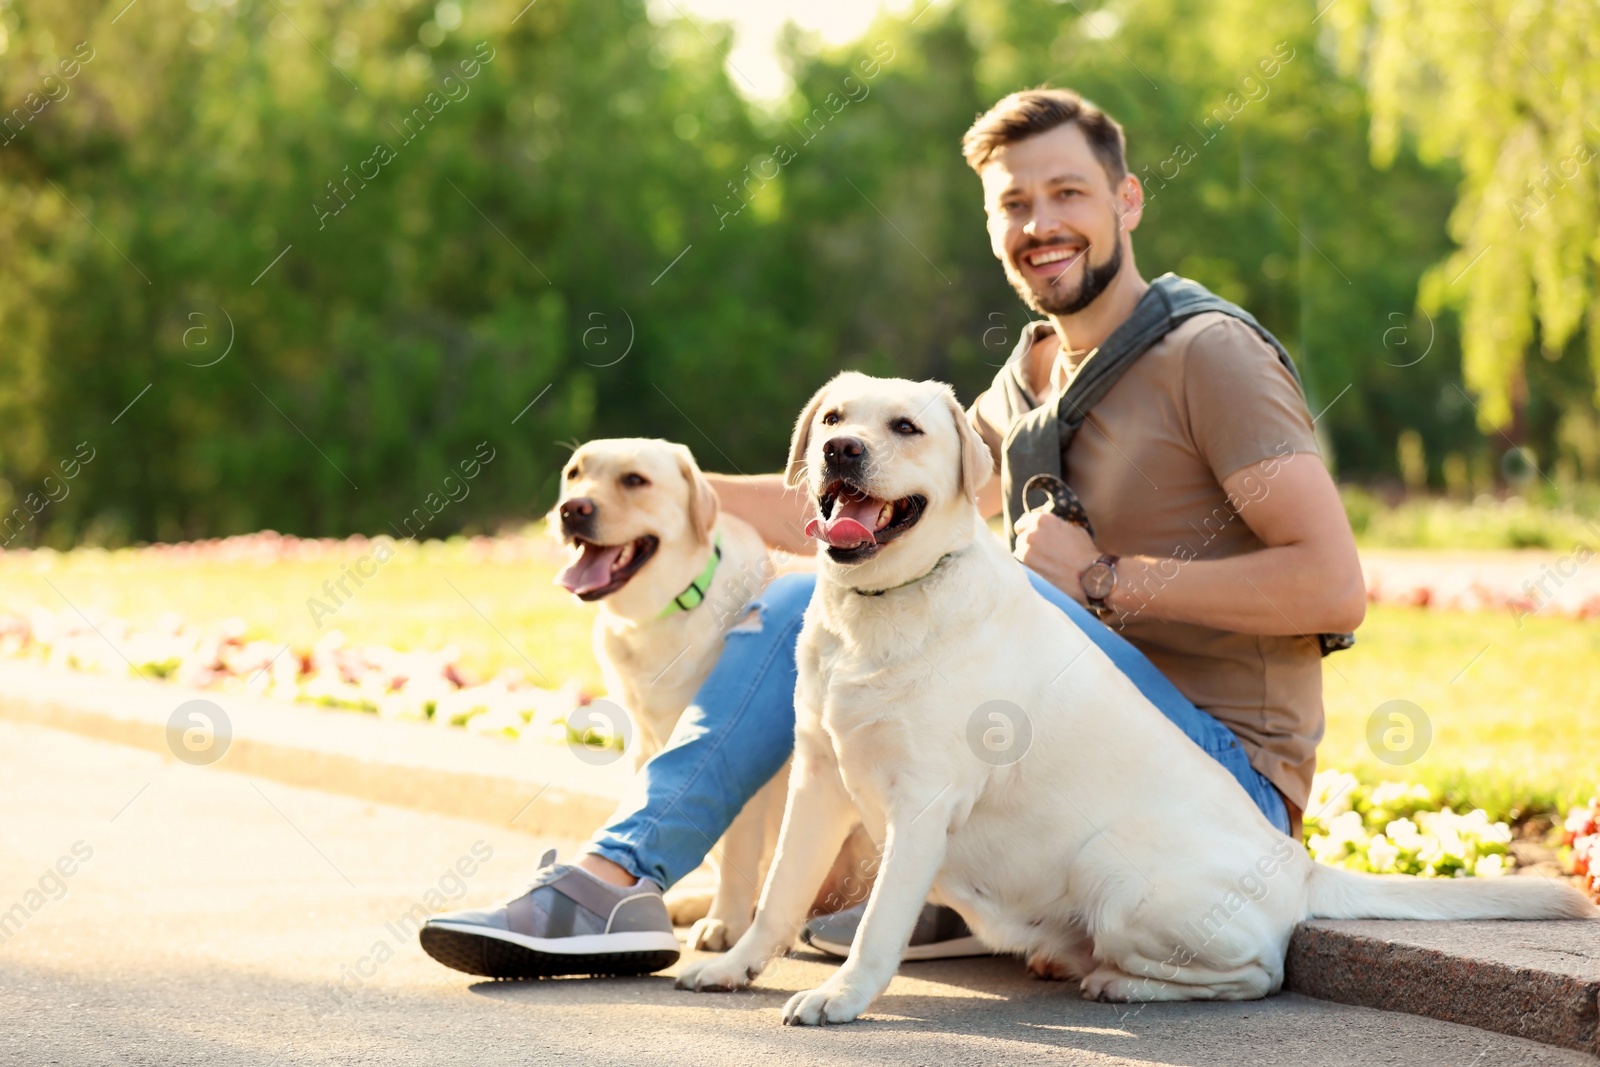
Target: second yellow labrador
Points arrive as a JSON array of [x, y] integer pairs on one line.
[[670, 575]]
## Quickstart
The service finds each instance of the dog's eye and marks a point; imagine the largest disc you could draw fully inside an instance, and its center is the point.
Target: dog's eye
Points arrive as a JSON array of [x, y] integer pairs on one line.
[[572, 472], [832, 418], [634, 481], [904, 426]]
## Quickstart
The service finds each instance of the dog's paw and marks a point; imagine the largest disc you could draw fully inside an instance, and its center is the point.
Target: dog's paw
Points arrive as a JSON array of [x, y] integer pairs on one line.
[[688, 907], [713, 935], [721, 975], [831, 1002], [1109, 985], [1048, 969]]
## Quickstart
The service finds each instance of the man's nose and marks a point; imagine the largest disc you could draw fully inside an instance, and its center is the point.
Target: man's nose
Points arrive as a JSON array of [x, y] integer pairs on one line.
[[843, 451], [1043, 221]]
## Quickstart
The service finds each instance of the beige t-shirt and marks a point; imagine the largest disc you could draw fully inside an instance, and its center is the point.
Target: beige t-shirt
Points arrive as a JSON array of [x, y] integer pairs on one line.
[[1209, 399]]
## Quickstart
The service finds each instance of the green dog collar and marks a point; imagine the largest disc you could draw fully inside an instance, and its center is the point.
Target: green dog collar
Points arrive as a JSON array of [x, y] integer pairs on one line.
[[695, 595]]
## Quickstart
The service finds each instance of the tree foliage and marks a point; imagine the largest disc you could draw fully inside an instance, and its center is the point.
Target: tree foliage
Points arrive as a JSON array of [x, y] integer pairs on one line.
[[431, 231], [1510, 90]]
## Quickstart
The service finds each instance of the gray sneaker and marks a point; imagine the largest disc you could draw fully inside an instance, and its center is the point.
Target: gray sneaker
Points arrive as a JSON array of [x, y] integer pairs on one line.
[[940, 934], [568, 922]]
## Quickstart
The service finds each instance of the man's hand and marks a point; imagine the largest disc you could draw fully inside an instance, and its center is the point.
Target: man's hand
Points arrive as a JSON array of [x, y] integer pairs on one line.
[[1306, 579], [1057, 549]]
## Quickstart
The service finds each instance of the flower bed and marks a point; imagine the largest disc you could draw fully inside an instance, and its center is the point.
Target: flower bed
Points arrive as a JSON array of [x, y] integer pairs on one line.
[[1396, 828], [415, 686], [1581, 851], [1525, 584]]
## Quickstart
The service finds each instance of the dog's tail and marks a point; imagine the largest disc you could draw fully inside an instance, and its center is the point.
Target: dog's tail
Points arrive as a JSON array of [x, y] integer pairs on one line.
[[1333, 893]]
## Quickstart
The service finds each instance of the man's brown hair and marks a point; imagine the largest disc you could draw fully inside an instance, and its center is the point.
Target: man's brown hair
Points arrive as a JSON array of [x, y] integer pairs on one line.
[[1035, 111]]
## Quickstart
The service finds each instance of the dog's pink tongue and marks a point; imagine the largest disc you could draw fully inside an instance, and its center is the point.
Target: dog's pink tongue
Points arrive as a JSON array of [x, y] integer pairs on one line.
[[851, 525], [589, 571]]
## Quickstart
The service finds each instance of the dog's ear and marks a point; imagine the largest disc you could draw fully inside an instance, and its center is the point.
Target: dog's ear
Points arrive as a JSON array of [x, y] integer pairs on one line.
[[552, 518], [795, 473], [703, 503], [977, 462]]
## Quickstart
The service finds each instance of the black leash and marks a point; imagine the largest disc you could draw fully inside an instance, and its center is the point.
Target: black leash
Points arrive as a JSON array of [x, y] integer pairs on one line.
[[1064, 503]]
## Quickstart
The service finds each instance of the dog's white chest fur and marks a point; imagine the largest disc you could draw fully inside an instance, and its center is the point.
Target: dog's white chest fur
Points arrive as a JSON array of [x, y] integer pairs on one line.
[[907, 720]]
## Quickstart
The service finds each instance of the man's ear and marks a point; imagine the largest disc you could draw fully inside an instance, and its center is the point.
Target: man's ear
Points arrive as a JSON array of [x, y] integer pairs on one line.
[[977, 462], [1130, 203], [703, 502], [795, 473]]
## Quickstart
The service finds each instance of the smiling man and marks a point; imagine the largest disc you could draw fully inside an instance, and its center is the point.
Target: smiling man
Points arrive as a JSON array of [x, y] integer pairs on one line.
[[1220, 545]]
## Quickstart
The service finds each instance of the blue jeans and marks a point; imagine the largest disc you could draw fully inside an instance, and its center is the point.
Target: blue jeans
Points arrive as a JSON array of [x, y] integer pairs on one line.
[[740, 730]]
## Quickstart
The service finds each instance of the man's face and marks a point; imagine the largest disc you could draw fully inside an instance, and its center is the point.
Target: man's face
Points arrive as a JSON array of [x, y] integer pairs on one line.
[[1055, 222]]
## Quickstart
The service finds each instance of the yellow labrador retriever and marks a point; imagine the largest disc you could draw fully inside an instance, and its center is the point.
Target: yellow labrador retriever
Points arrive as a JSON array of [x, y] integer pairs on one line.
[[670, 575], [1114, 851]]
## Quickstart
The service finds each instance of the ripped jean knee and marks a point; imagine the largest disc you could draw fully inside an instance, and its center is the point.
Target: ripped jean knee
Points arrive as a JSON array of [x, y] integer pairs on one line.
[[737, 733]]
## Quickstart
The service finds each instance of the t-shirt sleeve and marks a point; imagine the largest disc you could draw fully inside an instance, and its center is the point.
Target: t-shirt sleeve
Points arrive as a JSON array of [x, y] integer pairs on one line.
[[988, 416], [1243, 405]]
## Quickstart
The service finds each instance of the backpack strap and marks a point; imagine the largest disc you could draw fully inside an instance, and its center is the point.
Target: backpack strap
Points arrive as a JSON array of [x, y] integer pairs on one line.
[[1036, 443], [1037, 440]]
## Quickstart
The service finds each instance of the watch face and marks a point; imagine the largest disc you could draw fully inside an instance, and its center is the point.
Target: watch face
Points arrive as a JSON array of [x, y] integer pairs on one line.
[[1099, 580]]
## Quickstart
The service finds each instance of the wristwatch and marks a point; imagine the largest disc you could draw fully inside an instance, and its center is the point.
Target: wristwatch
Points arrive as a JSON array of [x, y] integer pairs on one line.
[[1098, 580]]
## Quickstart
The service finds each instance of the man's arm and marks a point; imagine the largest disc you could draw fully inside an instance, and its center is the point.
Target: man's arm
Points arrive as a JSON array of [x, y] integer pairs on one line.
[[778, 513], [1307, 580], [991, 501]]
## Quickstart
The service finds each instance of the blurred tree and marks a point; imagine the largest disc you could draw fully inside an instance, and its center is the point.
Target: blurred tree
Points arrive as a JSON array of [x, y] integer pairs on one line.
[[411, 228], [291, 266], [1511, 92]]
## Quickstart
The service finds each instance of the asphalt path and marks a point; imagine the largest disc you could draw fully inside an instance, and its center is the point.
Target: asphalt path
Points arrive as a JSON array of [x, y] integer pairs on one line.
[[213, 918]]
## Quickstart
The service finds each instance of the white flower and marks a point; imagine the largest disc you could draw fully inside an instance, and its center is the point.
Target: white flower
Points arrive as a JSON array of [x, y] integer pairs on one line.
[[1477, 822], [1405, 835], [506, 721], [1381, 853], [1331, 794], [1491, 866], [1392, 795], [1348, 827]]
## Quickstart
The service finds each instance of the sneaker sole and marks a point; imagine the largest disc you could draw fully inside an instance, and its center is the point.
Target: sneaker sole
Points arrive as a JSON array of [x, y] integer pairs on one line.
[[959, 948], [502, 954]]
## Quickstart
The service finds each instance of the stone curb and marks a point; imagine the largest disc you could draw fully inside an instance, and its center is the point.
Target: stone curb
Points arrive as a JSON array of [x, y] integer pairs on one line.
[[1535, 980], [537, 787]]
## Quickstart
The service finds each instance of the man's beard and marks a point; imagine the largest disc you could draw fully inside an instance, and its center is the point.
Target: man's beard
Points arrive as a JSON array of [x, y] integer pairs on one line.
[[1056, 301]]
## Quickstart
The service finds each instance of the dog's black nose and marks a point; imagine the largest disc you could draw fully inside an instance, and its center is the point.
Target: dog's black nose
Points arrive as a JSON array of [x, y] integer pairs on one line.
[[576, 511], [843, 451]]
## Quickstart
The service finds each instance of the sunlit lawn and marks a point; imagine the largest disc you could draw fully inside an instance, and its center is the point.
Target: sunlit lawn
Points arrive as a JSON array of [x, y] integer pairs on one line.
[[429, 596], [1515, 713]]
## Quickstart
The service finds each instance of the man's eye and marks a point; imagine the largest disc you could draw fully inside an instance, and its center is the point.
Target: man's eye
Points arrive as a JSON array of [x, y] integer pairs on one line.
[[634, 481], [904, 426], [831, 419]]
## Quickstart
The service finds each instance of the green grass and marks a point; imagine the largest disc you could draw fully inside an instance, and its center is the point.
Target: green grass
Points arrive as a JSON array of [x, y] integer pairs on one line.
[[1485, 523], [1515, 712]]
